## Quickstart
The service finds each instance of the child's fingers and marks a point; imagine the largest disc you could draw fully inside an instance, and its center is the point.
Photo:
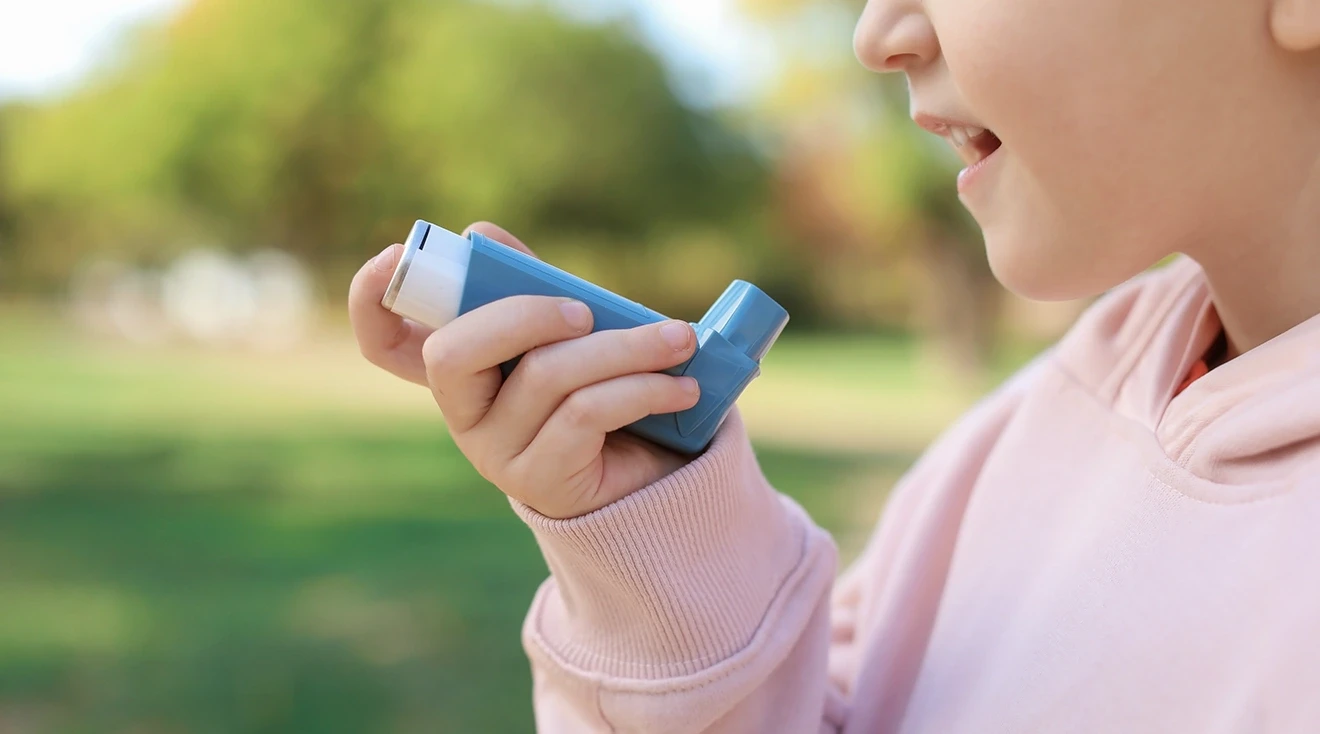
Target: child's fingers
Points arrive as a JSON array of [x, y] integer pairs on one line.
[[547, 375], [462, 358], [500, 235], [386, 339], [573, 437]]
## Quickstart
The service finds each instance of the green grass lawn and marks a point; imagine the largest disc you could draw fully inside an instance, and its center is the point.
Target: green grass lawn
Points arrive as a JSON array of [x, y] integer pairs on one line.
[[194, 541]]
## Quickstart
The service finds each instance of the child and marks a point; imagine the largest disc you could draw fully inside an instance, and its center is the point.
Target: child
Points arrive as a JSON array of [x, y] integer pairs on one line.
[[1125, 537]]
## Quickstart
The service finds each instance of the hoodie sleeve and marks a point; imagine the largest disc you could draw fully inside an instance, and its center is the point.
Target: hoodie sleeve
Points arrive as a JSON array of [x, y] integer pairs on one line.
[[707, 602], [697, 604]]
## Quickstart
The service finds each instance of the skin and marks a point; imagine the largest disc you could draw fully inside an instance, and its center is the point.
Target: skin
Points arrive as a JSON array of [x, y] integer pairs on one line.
[[547, 436], [1130, 129]]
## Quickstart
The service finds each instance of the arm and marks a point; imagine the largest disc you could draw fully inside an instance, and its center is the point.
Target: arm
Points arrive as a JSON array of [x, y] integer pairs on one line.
[[707, 602], [698, 604], [683, 596]]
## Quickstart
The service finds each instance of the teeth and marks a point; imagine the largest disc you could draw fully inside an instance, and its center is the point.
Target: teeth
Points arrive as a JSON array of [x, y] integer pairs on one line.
[[962, 134]]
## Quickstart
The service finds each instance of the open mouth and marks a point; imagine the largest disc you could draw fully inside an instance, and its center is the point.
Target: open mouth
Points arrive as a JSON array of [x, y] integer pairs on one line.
[[973, 144]]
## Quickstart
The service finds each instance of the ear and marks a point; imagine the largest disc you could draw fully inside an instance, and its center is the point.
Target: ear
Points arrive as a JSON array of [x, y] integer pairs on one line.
[[1295, 24]]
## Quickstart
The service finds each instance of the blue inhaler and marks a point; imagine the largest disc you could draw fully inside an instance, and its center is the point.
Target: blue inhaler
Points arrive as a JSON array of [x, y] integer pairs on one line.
[[443, 275]]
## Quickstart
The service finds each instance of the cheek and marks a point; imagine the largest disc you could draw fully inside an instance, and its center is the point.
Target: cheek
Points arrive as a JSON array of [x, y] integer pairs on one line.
[[1096, 162], [1069, 88]]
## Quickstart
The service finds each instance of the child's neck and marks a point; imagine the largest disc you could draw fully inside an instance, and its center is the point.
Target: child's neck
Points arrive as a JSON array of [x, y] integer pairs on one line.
[[1265, 287]]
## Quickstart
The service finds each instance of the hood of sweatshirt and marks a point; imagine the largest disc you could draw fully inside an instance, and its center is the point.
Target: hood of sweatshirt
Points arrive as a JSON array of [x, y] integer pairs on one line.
[[1254, 419]]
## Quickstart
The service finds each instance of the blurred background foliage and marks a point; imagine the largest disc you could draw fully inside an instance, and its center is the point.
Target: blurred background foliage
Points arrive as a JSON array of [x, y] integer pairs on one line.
[[323, 128], [215, 517]]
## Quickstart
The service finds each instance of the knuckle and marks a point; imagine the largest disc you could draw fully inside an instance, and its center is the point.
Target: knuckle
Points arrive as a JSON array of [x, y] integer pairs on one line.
[[484, 461], [536, 317], [577, 410], [644, 347], [370, 353], [660, 391], [669, 394], [538, 367], [377, 351], [438, 355], [646, 338], [538, 307]]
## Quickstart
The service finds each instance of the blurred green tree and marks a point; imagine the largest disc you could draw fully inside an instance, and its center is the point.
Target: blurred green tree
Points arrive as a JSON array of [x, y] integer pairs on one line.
[[869, 193], [326, 128], [7, 209]]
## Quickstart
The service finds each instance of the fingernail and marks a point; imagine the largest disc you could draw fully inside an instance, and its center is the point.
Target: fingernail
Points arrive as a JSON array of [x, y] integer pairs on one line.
[[385, 260], [676, 334], [576, 314], [690, 385]]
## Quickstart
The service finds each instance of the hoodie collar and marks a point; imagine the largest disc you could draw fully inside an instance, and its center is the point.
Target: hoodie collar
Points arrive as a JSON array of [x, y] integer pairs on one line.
[[1255, 418]]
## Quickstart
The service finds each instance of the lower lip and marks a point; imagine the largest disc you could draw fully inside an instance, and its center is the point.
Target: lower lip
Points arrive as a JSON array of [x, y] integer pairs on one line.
[[968, 176]]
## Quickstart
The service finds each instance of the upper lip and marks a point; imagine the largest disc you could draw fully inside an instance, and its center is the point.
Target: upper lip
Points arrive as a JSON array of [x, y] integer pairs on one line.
[[940, 124]]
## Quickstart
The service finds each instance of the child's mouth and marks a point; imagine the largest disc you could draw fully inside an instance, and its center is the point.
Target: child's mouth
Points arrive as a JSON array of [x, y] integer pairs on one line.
[[973, 144]]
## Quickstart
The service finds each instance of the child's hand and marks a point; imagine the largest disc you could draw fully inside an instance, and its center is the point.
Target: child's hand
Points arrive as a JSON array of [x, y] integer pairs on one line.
[[546, 436]]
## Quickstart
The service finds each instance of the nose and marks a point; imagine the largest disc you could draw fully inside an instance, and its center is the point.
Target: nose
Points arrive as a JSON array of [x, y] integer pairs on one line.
[[895, 35]]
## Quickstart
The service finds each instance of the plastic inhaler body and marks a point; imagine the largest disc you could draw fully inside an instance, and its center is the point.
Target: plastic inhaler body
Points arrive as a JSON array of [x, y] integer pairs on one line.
[[443, 275]]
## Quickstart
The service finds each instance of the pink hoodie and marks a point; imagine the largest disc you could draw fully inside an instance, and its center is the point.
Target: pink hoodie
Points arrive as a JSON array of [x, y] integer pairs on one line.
[[1084, 552]]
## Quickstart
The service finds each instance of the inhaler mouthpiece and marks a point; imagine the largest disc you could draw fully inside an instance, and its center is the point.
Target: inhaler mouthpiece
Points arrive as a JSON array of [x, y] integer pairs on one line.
[[429, 280]]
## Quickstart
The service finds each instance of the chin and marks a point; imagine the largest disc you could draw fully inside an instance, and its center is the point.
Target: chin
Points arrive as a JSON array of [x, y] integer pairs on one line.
[[1045, 268]]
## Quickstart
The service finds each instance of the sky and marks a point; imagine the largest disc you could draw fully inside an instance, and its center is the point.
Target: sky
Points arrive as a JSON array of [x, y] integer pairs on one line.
[[46, 46]]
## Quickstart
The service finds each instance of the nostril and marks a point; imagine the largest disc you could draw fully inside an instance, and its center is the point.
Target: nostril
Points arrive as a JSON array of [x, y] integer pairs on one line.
[[887, 40], [900, 62]]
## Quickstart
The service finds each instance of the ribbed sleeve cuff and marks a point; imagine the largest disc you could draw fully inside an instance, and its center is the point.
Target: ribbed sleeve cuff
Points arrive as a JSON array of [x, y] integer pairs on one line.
[[673, 578]]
